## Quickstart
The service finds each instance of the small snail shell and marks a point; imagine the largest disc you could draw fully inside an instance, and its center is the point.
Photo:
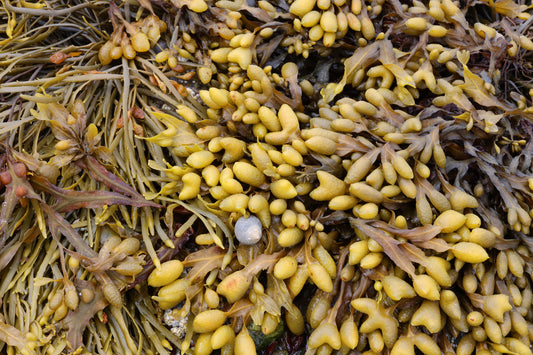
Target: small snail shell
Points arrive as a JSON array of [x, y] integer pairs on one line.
[[248, 230]]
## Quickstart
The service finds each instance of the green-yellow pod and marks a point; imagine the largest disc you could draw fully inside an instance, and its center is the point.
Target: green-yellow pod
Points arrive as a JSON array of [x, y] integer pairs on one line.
[[286, 170], [234, 149], [390, 191], [288, 218], [472, 221], [248, 174], [450, 221], [242, 56], [515, 263], [426, 287], [234, 203], [330, 186], [492, 330], [60, 312], [347, 110], [422, 170], [321, 145], [302, 7], [319, 275], [407, 186], [450, 304], [426, 344], [358, 250], [519, 324], [202, 346], [365, 108], [269, 324], [211, 175], [436, 11], [275, 156], [325, 333], [496, 305], [244, 344], [128, 268], [466, 345], [328, 21], [367, 28], [283, 189], [140, 42], [482, 236], [437, 268], [112, 294], [191, 186], [174, 292], [259, 130], [71, 296], [278, 206], [218, 192], [374, 246], [291, 155], [375, 178], [368, 211], [186, 112], [258, 204], [304, 188], [516, 295], [127, 246], [289, 237], [208, 321], [285, 267], [342, 203], [211, 299], [461, 200], [438, 200], [298, 280], [200, 159], [349, 333], [437, 31], [389, 173], [169, 271], [219, 96], [288, 119], [208, 132], [469, 252], [428, 315], [206, 98], [371, 260], [302, 221], [402, 167], [320, 132], [358, 170], [403, 346], [311, 18], [514, 344], [326, 260], [423, 210], [234, 286], [365, 192], [375, 341], [418, 24], [295, 321], [396, 288], [269, 118], [379, 319]]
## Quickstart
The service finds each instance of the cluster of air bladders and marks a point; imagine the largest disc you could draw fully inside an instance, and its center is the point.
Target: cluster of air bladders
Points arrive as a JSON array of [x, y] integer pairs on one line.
[[425, 264]]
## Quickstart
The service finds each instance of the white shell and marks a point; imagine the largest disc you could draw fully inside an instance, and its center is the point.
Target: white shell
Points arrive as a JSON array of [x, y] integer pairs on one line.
[[249, 230]]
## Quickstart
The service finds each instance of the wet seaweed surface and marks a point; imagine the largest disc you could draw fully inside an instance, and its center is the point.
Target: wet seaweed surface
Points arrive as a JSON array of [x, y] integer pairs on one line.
[[272, 177]]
